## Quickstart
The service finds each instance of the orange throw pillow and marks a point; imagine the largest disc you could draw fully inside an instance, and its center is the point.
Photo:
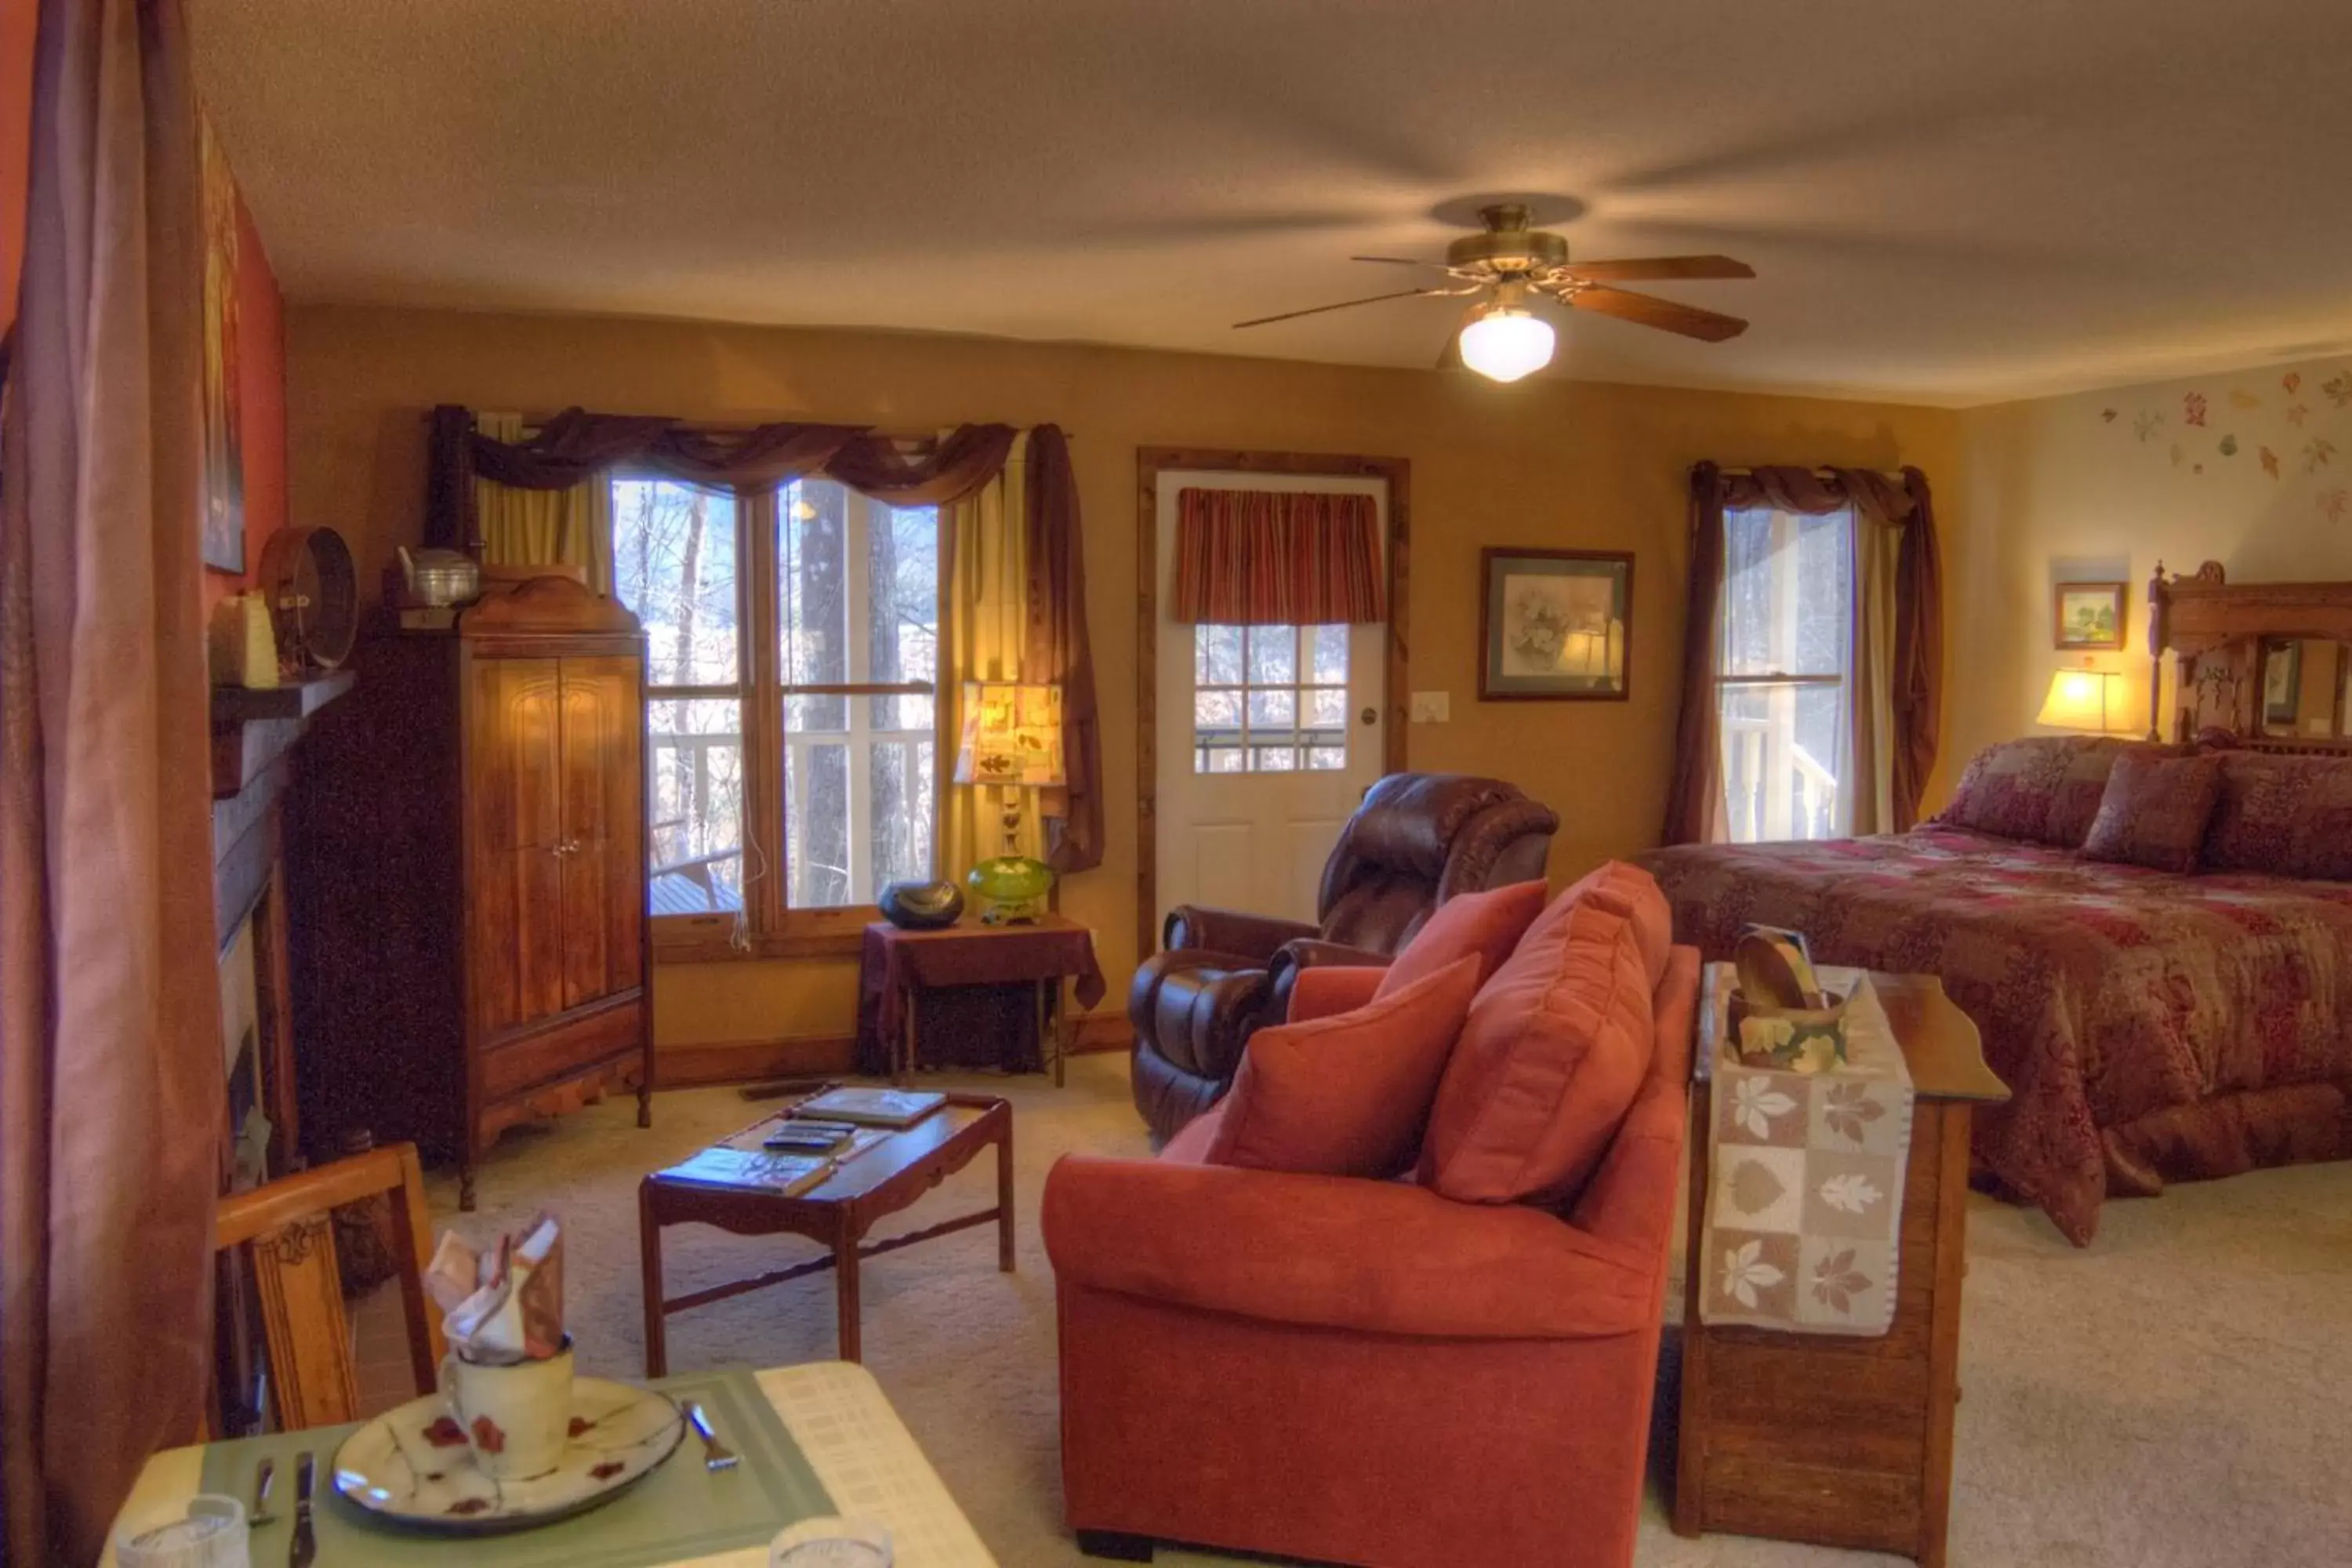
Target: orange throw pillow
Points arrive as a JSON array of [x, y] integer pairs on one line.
[[1347, 1095], [1554, 1050], [1484, 926]]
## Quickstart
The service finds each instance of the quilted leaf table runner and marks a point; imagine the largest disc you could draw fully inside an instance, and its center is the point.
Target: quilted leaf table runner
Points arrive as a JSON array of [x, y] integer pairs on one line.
[[1805, 1212]]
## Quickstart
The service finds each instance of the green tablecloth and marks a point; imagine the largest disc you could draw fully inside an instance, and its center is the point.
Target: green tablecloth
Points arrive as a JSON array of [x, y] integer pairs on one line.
[[678, 1512]]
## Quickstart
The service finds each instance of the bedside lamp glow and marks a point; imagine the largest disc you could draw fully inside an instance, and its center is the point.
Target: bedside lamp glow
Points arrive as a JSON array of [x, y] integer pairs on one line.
[[2088, 699]]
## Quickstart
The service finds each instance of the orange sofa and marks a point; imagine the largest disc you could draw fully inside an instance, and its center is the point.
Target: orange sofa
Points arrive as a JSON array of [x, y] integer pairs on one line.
[[1365, 1372]]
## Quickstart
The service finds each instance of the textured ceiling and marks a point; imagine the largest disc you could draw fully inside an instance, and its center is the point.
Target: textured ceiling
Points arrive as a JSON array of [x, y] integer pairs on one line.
[[1947, 203]]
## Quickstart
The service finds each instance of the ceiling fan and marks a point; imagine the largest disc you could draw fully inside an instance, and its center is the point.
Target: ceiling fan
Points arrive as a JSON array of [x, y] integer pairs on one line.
[[1500, 337]]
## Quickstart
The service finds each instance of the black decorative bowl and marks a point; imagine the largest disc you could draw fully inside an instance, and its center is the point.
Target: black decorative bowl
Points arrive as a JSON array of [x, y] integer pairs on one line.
[[921, 906]]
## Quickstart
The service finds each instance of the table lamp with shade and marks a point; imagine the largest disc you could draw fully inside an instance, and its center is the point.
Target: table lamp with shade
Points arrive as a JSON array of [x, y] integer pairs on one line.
[[2087, 699], [1011, 742]]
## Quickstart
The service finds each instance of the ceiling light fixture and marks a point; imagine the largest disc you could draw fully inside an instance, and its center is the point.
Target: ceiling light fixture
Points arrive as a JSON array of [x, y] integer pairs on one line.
[[1507, 343]]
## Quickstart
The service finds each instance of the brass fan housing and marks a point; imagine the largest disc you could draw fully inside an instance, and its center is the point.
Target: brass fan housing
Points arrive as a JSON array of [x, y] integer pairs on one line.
[[1507, 247]]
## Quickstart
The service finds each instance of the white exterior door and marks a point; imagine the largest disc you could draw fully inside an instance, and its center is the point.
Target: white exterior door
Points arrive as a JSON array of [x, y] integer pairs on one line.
[[1268, 735]]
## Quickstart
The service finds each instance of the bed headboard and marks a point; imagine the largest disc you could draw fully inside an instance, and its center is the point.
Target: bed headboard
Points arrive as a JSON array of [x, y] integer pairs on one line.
[[2271, 663]]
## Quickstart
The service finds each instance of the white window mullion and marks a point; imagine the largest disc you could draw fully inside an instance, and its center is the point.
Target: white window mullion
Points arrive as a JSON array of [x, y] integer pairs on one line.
[[858, 764]]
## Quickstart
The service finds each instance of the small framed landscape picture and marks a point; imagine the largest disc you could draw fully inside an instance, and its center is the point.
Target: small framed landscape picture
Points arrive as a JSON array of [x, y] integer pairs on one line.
[[2087, 615], [1555, 624]]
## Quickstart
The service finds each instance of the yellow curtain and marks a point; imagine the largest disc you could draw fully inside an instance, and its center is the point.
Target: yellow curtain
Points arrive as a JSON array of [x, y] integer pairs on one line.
[[532, 528], [1871, 720], [985, 624]]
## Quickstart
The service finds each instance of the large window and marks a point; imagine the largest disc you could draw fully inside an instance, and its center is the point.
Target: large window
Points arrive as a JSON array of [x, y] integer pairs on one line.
[[1269, 699], [1784, 657], [793, 646]]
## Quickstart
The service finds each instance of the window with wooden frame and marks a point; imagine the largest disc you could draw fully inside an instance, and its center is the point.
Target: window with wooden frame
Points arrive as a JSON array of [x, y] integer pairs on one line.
[[793, 729], [1784, 656]]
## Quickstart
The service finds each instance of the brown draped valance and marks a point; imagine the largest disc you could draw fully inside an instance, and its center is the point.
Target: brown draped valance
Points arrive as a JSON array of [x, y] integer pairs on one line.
[[576, 444], [1693, 800]]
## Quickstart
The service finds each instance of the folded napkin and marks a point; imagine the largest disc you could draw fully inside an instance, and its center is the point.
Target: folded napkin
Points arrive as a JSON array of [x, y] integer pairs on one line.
[[503, 1303]]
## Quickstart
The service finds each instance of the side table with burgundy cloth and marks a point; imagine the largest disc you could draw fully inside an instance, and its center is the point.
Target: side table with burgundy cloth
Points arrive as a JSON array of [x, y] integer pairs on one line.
[[902, 974]]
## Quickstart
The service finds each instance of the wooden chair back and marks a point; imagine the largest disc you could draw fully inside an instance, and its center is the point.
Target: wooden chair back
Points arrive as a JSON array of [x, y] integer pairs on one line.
[[299, 1283]]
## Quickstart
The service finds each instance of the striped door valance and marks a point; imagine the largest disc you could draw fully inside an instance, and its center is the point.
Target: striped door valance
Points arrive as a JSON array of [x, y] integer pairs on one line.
[[1278, 558]]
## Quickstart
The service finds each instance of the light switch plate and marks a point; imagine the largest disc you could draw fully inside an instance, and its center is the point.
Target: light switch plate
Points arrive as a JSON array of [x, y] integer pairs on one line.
[[1432, 707]]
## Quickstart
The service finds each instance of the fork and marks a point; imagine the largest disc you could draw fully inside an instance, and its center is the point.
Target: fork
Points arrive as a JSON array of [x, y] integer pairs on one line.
[[716, 1455]]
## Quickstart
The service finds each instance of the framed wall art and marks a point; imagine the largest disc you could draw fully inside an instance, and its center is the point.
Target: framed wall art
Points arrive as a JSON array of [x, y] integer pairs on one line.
[[1555, 624], [2087, 616]]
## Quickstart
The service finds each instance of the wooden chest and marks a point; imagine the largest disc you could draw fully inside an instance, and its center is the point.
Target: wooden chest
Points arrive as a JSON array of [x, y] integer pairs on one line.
[[1827, 1438]]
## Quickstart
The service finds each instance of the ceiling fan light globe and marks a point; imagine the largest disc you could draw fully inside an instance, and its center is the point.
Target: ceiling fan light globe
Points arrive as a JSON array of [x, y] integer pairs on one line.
[[1505, 345]]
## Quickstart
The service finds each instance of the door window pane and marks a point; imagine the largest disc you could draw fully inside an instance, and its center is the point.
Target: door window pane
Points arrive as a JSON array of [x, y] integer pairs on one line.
[[695, 801], [1329, 655], [1252, 711]]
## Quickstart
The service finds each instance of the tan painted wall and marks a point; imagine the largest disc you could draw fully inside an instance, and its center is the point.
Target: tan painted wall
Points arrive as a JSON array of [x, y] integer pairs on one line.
[[1555, 463], [2104, 485]]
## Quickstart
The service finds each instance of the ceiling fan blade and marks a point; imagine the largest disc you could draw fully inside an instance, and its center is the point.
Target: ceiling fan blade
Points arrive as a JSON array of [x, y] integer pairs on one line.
[[1649, 310], [1401, 261], [1342, 305], [1649, 268]]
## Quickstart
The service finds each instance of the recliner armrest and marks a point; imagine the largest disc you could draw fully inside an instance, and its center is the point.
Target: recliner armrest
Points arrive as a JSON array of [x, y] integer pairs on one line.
[[1339, 1252], [1231, 930]]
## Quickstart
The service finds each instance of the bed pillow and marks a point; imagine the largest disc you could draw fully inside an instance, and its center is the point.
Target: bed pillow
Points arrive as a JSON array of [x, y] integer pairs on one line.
[[2155, 810], [1486, 926], [1554, 1050], [2283, 816], [2045, 789], [1347, 1095]]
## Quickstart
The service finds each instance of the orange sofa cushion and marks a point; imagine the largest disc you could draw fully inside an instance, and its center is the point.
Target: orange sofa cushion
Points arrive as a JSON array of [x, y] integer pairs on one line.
[[1484, 926], [1347, 1095], [1555, 1048]]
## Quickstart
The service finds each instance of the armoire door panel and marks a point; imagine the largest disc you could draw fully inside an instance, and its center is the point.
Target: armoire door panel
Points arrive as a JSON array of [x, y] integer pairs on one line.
[[603, 876], [515, 745]]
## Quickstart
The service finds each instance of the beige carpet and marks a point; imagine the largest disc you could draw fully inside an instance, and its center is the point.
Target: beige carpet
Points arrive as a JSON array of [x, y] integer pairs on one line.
[[2175, 1396]]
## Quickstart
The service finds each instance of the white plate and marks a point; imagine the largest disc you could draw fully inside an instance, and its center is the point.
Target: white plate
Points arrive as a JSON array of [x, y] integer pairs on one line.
[[412, 1466]]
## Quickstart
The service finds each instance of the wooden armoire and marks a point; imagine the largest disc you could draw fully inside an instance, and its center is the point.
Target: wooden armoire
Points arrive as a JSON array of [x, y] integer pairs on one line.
[[468, 921]]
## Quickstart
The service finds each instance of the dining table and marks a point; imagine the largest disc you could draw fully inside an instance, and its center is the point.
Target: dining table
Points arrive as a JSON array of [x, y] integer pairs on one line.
[[837, 1414]]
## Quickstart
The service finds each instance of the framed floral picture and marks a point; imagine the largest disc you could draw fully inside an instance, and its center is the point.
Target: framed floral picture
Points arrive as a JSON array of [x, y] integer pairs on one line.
[[2087, 616], [1555, 624]]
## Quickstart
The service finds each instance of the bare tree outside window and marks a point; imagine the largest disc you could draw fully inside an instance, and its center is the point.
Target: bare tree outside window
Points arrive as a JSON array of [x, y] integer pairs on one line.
[[674, 559], [858, 588]]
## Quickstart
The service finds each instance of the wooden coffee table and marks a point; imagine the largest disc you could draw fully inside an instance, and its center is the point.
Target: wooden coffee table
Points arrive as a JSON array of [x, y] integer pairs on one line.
[[870, 1184]]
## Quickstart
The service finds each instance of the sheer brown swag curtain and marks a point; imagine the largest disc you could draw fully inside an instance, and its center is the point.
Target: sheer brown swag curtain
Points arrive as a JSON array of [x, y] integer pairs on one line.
[[1695, 806], [576, 444], [1277, 558], [112, 1110]]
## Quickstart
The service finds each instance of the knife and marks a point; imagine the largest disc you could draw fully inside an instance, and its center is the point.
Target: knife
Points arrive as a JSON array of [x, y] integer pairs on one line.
[[262, 1476], [305, 1546]]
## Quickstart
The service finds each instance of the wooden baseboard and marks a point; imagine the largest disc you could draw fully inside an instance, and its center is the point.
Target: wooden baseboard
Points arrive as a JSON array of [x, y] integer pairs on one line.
[[754, 1061], [1102, 1032]]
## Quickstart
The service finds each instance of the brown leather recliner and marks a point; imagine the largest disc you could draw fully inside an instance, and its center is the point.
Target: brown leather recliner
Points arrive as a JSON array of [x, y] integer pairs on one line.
[[1417, 841]]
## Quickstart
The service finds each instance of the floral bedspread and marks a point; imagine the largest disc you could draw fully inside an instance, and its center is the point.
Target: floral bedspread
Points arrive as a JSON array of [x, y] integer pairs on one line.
[[2149, 1024]]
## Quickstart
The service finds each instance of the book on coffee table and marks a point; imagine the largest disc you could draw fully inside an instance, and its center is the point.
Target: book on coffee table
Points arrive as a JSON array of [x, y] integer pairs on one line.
[[874, 1107], [721, 1166]]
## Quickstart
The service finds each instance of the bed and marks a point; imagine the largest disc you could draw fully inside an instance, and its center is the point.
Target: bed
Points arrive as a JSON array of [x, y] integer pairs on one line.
[[2152, 1026]]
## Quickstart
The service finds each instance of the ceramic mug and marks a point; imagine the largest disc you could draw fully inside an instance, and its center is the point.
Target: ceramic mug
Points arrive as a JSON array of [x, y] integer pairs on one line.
[[516, 1419]]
